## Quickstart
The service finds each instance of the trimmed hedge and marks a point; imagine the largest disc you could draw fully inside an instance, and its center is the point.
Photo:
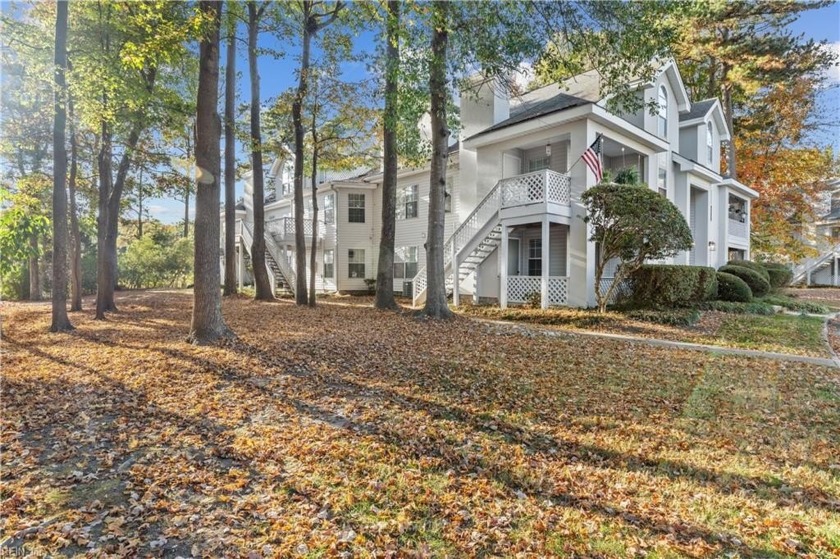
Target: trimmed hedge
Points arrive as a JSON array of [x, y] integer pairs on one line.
[[780, 275], [732, 288], [758, 285], [754, 266], [663, 285], [797, 305]]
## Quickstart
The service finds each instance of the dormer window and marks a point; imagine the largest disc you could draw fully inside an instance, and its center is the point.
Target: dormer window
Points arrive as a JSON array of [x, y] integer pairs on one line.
[[663, 111], [709, 143]]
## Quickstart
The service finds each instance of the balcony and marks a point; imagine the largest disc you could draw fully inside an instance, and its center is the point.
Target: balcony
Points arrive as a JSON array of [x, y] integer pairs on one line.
[[283, 229], [543, 191], [738, 229]]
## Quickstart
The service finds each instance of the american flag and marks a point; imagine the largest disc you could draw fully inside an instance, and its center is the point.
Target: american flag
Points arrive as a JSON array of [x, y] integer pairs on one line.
[[592, 158]]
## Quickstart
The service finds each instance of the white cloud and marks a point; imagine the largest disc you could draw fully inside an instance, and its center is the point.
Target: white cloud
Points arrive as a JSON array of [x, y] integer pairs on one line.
[[524, 75], [833, 73]]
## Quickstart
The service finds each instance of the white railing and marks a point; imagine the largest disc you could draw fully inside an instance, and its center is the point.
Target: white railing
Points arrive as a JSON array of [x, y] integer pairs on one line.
[[275, 252], [738, 228], [620, 291], [537, 187], [800, 271], [284, 228]]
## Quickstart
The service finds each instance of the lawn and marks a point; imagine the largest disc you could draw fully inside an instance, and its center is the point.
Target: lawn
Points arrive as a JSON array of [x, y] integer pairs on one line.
[[346, 432]]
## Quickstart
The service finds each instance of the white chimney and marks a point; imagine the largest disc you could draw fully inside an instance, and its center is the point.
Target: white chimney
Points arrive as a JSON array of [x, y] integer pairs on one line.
[[484, 102]]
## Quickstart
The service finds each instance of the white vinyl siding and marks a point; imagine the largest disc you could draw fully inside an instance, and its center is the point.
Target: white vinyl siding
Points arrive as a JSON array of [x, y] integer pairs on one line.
[[534, 159], [329, 209]]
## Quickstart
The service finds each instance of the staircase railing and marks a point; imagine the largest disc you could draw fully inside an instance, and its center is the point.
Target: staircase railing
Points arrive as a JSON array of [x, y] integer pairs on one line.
[[278, 256], [800, 271], [486, 210]]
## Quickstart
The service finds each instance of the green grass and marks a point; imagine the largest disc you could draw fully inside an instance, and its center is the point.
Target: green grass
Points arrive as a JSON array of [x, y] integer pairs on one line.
[[774, 333]]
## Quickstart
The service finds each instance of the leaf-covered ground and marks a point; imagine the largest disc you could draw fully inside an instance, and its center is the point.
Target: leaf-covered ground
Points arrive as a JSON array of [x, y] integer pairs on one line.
[[347, 432]]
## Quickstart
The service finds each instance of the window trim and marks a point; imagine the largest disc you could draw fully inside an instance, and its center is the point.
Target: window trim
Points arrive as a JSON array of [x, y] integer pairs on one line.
[[662, 181], [352, 254], [350, 207], [329, 209], [409, 197], [331, 273], [662, 122], [535, 245], [710, 143], [404, 257]]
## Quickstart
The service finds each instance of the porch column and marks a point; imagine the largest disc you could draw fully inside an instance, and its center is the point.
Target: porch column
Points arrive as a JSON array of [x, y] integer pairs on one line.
[[503, 271], [807, 274], [545, 256], [456, 296], [836, 271]]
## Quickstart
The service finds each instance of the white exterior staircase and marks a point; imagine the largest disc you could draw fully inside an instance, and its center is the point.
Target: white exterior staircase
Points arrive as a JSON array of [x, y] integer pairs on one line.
[[280, 272], [481, 233], [803, 271]]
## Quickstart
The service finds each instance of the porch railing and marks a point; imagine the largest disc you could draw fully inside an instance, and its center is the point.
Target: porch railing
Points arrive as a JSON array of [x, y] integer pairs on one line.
[[537, 187], [283, 229]]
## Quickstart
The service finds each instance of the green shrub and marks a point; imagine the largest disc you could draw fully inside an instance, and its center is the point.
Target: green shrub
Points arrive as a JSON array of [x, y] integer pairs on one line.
[[659, 285], [792, 304], [756, 307], [779, 274], [671, 317], [758, 285], [733, 288], [754, 266]]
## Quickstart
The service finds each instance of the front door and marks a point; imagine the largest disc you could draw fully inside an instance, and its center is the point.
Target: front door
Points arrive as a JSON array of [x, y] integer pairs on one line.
[[513, 257]]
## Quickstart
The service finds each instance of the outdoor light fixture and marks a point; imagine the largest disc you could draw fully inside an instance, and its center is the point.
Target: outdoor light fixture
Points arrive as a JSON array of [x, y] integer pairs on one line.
[[712, 246], [548, 150]]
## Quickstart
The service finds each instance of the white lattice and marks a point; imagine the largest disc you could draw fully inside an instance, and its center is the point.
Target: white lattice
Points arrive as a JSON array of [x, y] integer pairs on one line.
[[523, 189], [558, 291], [559, 188], [520, 288], [622, 290], [284, 228]]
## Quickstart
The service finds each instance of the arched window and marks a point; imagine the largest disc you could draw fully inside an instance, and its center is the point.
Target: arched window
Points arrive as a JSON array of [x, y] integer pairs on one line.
[[709, 143], [663, 111]]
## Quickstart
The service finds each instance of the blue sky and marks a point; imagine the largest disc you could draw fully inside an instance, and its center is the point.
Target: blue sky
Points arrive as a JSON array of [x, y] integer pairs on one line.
[[278, 75]]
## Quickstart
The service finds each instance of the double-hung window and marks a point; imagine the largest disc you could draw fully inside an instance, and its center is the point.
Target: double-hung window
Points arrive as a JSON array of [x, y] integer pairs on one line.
[[662, 118], [662, 182], [329, 263], [329, 209], [709, 144], [535, 257], [356, 263], [407, 202], [356, 208], [405, 262], [539, 163]]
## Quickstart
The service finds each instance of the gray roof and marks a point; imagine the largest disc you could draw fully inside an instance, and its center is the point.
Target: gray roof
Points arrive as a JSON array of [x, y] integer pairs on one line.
[[698, 110], [576, 91]]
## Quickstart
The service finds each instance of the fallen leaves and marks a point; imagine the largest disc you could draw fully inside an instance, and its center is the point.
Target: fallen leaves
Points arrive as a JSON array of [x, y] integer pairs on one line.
[[343, 431]]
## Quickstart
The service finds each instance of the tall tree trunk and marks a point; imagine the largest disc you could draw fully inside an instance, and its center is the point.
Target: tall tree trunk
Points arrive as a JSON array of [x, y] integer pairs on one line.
[[313, 259], [60, 320], [208, 325], [385, 270], [297, 117], [436, 304], [230, 164], [104, 285], [731, 159], [34, 271], [190, 140], [75, 235], [261, 280]]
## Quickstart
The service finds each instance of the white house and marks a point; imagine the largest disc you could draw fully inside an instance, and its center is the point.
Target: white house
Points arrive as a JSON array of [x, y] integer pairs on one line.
[[824, 235], [514, 222]]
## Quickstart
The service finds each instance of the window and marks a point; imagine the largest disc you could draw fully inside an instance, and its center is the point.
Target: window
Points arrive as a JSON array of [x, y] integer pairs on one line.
[[356, 208], [535, 257], [662, 182], [405, 262], [329, 263], [709, 143], [663, 111], [447, 202], [539, 164], [407, 202], [737, 209], [356, 263], [329, 209]]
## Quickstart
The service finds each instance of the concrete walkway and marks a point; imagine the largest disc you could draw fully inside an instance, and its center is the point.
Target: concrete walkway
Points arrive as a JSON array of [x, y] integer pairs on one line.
[[550, 332]]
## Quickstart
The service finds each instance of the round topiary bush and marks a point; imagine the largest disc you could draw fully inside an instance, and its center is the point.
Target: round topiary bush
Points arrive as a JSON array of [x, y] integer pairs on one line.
[[758, 285], [754, 266], [733, 288], [780, 275]]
